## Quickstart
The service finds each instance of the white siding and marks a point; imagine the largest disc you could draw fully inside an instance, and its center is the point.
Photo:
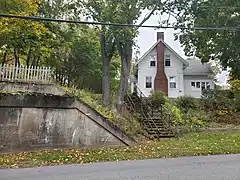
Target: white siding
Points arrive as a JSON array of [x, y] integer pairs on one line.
[[145, 70], [194, 92], [175, 70]]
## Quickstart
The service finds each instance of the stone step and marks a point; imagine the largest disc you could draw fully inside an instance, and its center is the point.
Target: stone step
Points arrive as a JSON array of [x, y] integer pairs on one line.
[[166, 131], [157, 128], [155, 124], [150, 131], [163, 136], [161, 133], [153, 120]]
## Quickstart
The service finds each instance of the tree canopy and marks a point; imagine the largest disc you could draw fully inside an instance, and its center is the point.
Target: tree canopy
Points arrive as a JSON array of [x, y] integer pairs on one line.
[[73, 51], [213, 44]]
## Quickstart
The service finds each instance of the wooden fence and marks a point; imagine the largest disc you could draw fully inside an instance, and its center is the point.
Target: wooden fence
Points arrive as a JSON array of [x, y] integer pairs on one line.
[[25, 74]]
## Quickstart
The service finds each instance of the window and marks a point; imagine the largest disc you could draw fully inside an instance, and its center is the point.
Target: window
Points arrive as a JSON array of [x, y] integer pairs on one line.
[[203, 85], [200, 85], [152, 63], [172, 83], [148, 82], [167, 61], [193, 84], [208, 85]]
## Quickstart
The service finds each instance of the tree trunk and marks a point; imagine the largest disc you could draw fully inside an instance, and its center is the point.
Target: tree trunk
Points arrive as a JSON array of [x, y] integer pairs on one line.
[[16, 57], [29, 57], [4, 58], [105, 71], [126, 57]]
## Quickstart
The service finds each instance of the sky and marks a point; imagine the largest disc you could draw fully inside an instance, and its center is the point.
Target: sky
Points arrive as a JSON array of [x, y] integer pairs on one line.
[[148, 36]]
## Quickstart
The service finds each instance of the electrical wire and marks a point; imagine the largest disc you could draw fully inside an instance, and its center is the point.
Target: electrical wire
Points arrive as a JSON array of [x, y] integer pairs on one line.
[[220, 7], [36, 18]]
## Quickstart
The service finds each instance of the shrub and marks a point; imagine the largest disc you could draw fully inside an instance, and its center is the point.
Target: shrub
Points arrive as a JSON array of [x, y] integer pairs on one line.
[[237, 103], [235, 86], [170, 110], [186, 103], [157, 99], [218, 100]]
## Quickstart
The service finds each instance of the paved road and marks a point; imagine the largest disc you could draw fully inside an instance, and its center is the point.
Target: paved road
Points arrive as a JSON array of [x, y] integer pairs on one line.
[[189, 168]]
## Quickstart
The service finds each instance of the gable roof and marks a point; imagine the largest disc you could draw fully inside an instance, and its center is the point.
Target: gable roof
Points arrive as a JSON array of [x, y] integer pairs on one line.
[[196, 67], [161, 41]]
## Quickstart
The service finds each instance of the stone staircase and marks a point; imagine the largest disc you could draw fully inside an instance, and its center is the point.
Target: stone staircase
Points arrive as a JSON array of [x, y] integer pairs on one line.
[[152, 120], [155, 123]]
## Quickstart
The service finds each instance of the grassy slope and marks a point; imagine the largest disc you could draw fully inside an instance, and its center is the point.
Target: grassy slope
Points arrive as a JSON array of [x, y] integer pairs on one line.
[[129, 125], [188, 145]]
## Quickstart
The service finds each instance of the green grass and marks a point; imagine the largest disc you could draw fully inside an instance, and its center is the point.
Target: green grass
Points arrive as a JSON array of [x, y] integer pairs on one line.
[[195, 144]]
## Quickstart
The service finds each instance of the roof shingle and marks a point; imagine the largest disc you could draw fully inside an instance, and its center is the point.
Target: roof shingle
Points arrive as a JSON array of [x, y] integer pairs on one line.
[[197, 68]]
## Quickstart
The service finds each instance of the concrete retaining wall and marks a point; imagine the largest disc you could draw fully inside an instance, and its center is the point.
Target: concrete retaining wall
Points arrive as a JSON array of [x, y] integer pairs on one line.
[[42, 121], [30, 87]]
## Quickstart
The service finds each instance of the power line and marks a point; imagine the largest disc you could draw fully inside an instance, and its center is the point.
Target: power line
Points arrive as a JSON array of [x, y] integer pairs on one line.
[[220, 7], [35, 18]]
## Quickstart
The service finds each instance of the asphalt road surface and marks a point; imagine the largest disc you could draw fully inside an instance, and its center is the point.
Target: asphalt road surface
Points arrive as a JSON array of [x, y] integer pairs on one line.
[[188, 168]]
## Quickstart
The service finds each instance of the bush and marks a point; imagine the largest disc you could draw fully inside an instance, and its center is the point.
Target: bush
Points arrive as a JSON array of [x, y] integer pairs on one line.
[[235, 86], [186, 103], [170, 110], [194, 116], [157, 99], [237, 103], [218, 100]]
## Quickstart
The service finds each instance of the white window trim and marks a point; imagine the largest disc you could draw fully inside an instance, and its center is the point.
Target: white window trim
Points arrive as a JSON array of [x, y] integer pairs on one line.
[[153, 58], [172, 81], [169, 60], [146, 82], [200, 88], [152, 61]]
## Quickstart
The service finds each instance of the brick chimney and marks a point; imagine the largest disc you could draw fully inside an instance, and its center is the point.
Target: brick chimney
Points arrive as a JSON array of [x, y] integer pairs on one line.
[[160, 35], [161, 81]]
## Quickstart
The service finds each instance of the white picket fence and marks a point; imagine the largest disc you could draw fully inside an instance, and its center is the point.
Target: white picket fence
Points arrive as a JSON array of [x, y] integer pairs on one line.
[[25, 74]]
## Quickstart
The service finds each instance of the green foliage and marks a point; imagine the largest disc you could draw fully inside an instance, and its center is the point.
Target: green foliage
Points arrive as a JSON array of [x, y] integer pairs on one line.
[[194, 115], [223, 105], [22, 40], [235, 86], [196, 119], [218, 100], [73, 51], [185, 103], [93, 100], [235, 89], [178, 116], [157, 99], [217, 45], [170, 110]]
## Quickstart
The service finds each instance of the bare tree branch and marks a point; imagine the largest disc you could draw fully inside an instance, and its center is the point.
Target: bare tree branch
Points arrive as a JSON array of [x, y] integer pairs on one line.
[[148, 16]]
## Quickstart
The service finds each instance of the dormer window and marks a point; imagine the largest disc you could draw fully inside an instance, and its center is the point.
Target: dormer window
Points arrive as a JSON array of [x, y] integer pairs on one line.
[[167, 60], [152, 63]]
